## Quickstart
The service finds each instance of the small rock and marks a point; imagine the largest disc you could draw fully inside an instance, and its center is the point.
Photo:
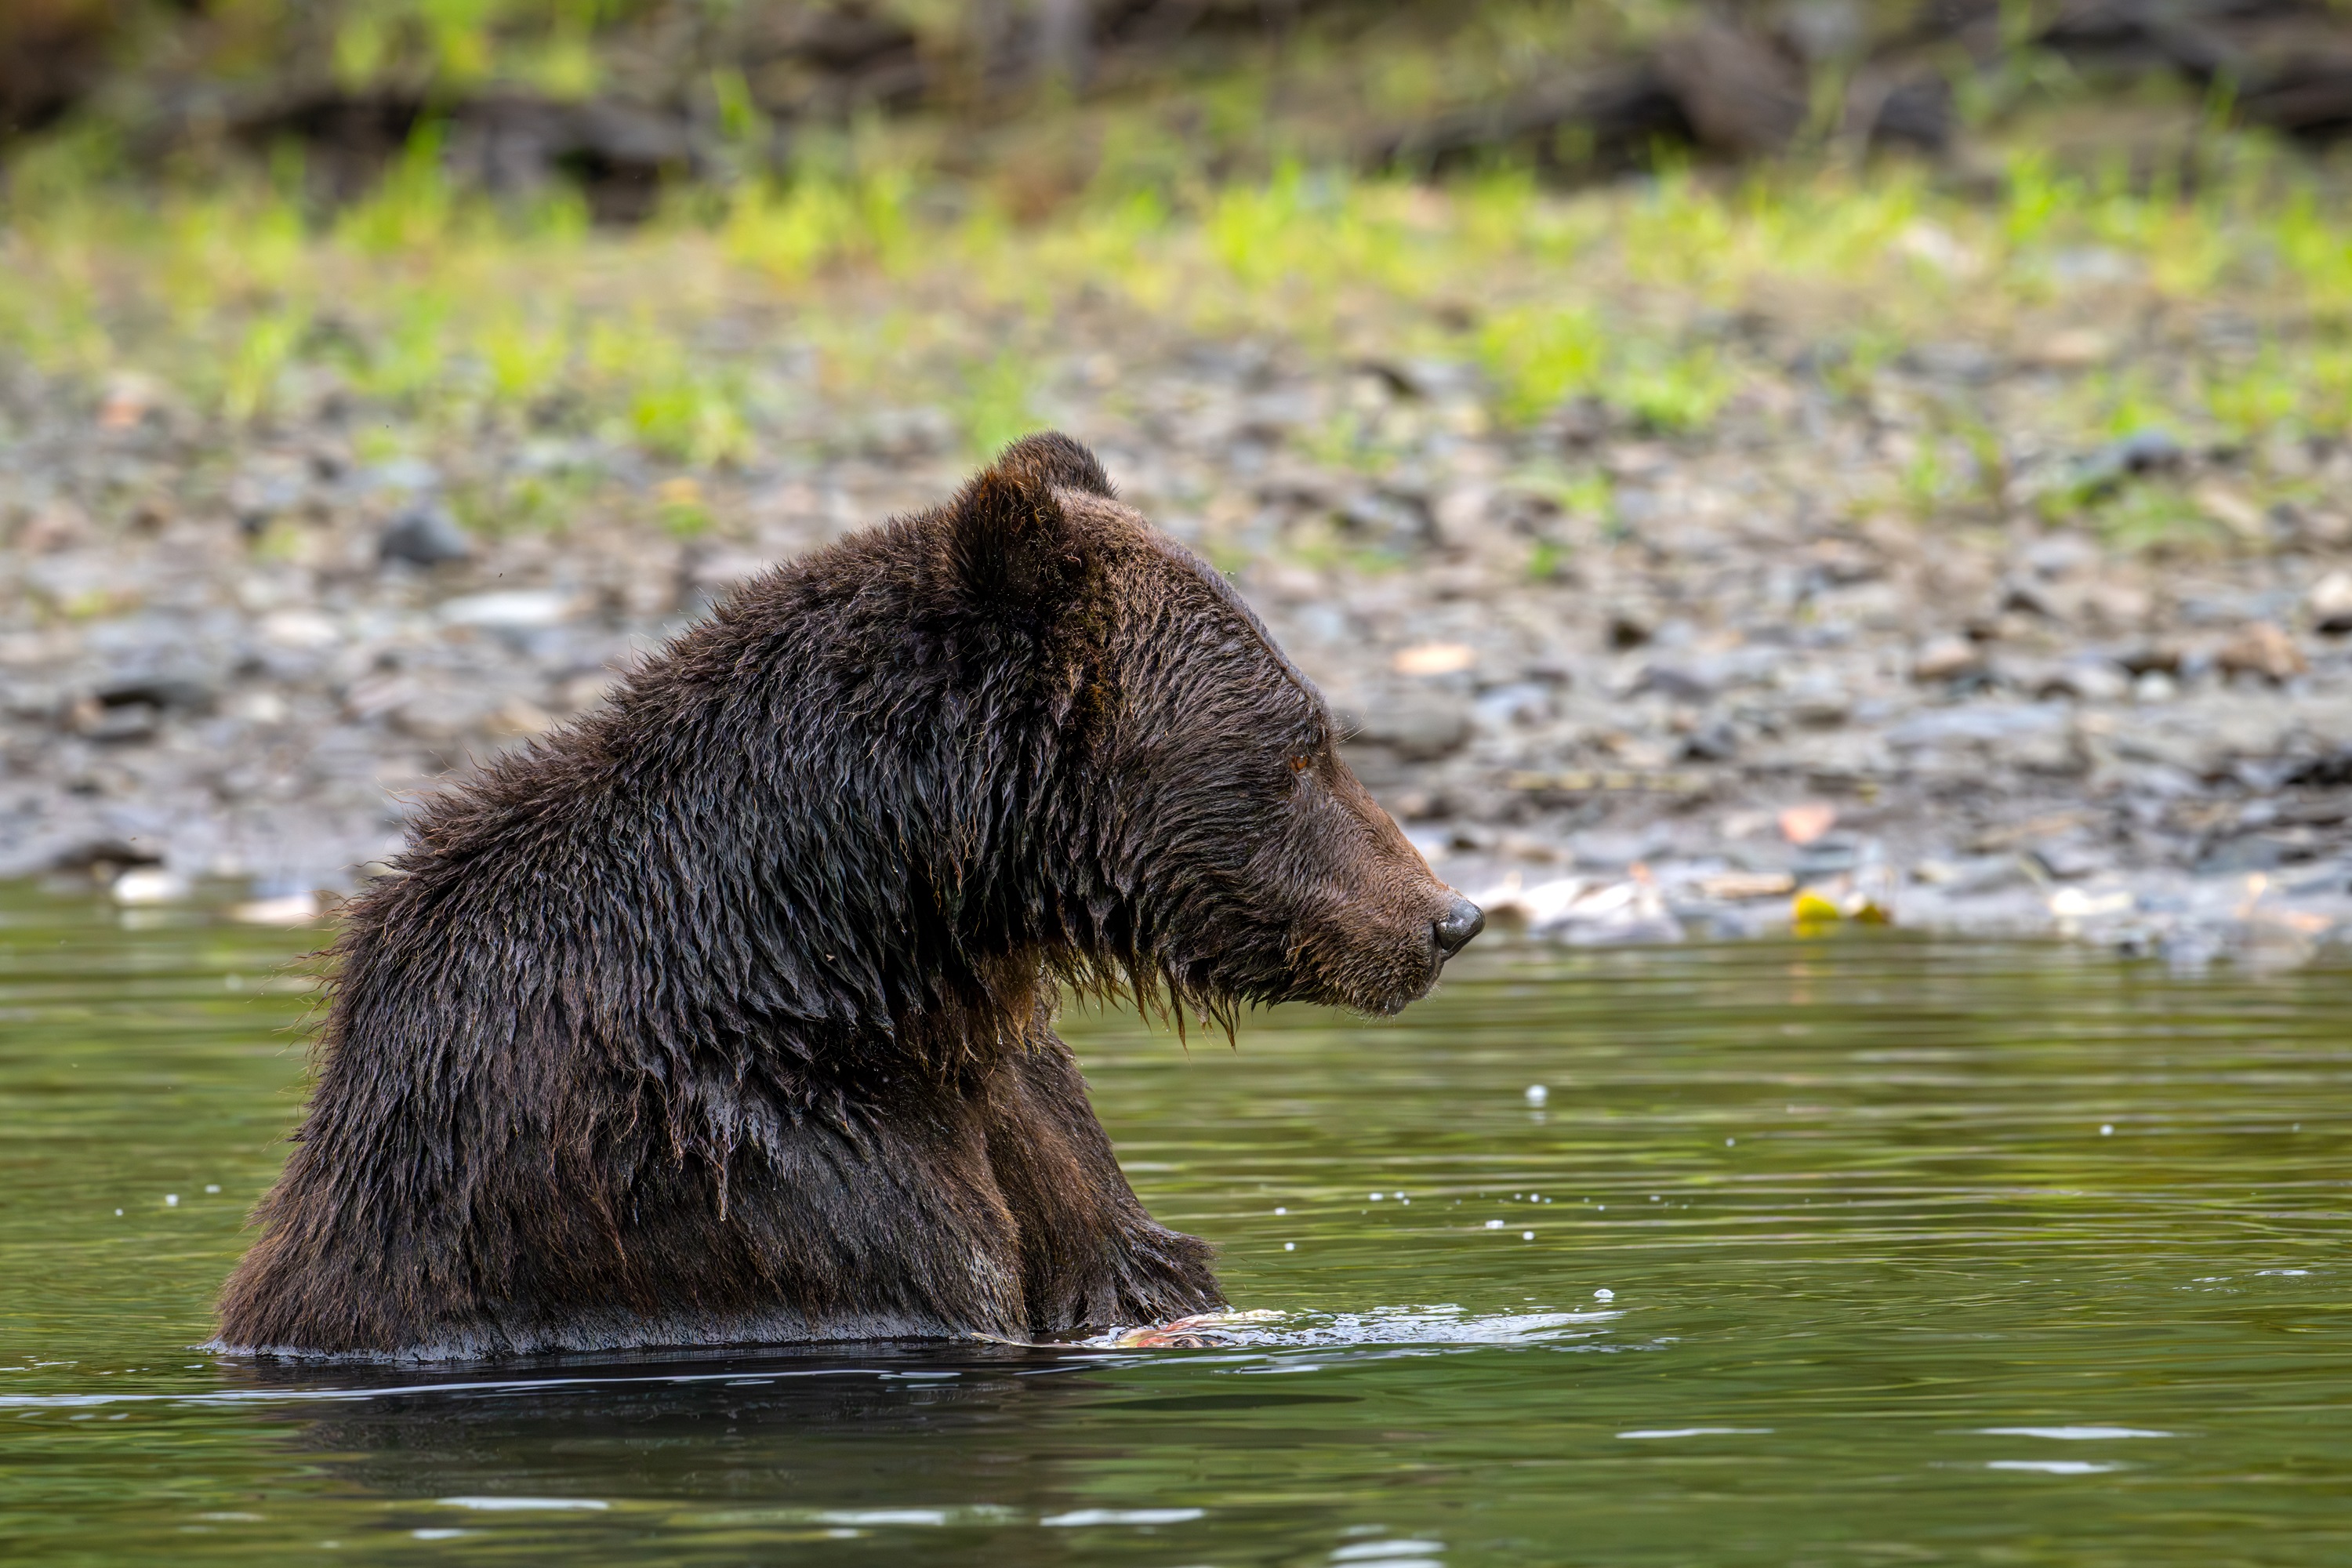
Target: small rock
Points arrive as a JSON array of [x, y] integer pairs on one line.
[[1820, 704], [2061, 556], [2146, 450], [115, 723], [145, 885], [1435, 658], [2088, 680], [2330, 604], [1950, 361], [437, 716], [423, 536], [584, 692], [1802, 824], [2083, 904], [302, 631], [183, 693], [1833, 855], [518, 718], [2261, 648], [2331, 772], [1679, 684], [284, 910], [2074, 348], [1523, 702], [517, 609], [1586, 911], [2229, 507], [1629, 625], [130, 398], [2064, 860], [1715, 742], [1732, 887], [2247, 852], [1946, 659], [1421, 730]]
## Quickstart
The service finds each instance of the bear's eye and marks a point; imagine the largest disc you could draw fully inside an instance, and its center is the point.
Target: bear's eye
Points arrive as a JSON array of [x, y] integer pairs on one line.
[[1302, 762]]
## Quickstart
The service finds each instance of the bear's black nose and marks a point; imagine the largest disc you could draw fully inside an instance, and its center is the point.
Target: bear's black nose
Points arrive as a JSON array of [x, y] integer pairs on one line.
[[1455, 928]]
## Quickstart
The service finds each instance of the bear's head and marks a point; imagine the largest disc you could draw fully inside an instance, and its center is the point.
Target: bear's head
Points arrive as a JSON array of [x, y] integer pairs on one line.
[[1195, 826]]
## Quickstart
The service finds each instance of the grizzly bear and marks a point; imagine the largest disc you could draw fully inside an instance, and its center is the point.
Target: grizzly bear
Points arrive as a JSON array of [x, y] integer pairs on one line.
[[723, 1016]]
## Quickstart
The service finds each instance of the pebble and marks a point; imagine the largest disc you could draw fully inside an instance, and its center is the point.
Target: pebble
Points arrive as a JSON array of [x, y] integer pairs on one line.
[[518, 609], [2264, 648], [2330, 604], [425, 535]]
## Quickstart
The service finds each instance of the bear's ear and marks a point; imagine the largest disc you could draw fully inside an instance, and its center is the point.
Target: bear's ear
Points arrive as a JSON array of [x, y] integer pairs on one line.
[[1051, 458], [1010, 554]]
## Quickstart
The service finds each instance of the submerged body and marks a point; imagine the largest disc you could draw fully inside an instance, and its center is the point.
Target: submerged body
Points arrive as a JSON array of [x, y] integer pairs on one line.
[[723, 1017]]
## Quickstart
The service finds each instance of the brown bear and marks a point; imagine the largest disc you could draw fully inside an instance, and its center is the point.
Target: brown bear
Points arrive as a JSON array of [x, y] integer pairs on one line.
[[722, 1017]]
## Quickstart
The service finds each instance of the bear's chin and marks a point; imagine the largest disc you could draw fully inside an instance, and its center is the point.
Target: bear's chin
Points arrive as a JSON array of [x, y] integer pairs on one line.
[[1376, 995]]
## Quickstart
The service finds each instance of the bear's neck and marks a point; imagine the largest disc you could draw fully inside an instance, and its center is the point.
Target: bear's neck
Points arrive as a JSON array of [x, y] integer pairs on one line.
[[852, 877]]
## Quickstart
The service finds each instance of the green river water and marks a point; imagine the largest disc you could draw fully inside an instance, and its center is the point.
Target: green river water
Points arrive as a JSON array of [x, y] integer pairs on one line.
[[1873, 1251]]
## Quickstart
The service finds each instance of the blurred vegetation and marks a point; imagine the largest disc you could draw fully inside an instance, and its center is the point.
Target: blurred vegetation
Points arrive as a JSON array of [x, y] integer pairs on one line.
[[884, 263]]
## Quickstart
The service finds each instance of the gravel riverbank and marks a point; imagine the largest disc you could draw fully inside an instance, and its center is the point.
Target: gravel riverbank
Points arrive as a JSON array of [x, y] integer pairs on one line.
[[1628, 687]]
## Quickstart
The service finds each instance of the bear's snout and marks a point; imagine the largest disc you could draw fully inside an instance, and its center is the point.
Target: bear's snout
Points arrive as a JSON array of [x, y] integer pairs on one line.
[[1453, 930]]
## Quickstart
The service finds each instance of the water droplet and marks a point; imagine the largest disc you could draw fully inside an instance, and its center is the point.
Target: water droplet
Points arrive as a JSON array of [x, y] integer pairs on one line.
[[1604, 1294], [171, 1200], [1730, 1142], [2106, 1128], [1494, 1225], [211, 1186], [1538, 1094], [1281, 1211], [1527, 1236], [1290, 1247]]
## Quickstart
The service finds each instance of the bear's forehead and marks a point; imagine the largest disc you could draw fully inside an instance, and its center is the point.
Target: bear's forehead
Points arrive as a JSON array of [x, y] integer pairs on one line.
[[1174, 566]]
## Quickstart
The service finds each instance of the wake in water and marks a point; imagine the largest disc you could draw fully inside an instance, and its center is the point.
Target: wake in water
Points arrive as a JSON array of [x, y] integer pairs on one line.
[[1381, 1326]]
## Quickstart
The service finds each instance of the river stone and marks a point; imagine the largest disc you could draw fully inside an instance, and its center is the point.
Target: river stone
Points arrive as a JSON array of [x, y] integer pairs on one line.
[[2330, 603], [423, 536], [1417, 729]]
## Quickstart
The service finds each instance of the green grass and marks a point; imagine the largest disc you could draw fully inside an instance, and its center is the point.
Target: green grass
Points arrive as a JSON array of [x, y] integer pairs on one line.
[[696, 338]]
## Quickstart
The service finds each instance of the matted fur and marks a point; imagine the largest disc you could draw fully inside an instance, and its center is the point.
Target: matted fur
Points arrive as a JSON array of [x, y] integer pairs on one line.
[[722, 1014]]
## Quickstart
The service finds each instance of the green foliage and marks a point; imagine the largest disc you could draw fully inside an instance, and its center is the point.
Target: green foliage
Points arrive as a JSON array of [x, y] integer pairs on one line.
[[412, 208], [996, 408], [438, 311], [1537, 357], [1669, 391], [2155, 518], [793, 231], [406, 356], [679, 507], [262, 354], [2251, 400]]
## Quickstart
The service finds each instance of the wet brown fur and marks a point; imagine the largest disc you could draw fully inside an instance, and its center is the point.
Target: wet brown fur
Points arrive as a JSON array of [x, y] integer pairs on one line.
[[723, 1015]]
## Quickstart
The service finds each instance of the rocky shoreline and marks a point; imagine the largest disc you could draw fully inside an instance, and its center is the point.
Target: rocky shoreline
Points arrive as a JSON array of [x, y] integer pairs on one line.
[[1620, 686]]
